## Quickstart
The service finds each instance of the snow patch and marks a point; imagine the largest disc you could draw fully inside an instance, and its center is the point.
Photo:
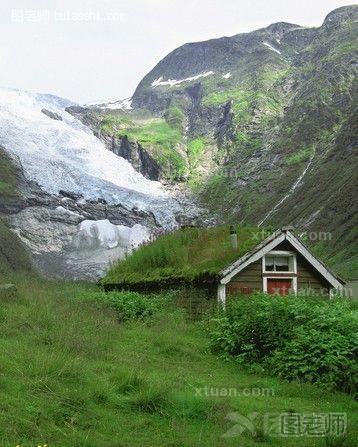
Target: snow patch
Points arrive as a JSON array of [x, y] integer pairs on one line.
[[122, 104], [227, 75], [272, 48], [103, 233], [172, 82], [63, 210]]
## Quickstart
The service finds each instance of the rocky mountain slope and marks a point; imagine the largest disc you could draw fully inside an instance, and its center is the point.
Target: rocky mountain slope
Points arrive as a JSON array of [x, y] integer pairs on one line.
[[74, 204], [261, 125]]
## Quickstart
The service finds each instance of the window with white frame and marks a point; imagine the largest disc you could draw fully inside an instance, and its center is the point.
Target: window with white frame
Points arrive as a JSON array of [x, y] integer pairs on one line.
[[279, 262]]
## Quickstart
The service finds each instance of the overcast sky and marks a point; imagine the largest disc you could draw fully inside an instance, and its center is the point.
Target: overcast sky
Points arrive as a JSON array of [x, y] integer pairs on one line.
[[89, 50]]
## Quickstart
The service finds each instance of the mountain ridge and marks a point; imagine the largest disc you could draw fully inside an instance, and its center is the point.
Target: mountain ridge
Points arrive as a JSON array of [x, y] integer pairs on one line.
[[253, 113]]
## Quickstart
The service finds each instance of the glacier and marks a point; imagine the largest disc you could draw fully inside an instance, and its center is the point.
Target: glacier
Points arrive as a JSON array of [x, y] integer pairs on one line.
[[85, 207], [65, 155]]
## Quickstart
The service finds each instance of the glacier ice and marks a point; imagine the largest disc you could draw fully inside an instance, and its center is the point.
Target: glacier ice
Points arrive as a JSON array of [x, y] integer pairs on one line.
[[65, 155], [105, 234], [72, 235]]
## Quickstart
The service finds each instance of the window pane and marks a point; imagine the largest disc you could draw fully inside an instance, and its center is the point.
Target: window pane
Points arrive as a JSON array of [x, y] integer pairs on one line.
[[281, 264], [269, 267]]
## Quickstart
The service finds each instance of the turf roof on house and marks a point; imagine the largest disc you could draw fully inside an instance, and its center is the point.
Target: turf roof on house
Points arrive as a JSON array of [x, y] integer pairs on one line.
[[185, 255]]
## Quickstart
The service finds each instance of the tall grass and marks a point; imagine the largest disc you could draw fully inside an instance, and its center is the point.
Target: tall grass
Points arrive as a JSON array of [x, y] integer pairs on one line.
[[72, 374]]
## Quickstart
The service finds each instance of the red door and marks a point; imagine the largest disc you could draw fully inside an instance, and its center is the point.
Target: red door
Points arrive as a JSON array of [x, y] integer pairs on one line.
[[278, 286]]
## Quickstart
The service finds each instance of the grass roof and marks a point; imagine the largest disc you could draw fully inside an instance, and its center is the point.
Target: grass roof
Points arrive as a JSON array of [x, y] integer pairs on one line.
[[186, 254]]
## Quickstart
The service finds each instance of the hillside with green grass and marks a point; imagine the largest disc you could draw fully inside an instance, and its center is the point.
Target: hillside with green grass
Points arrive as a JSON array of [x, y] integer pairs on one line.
[[81, 368], [13, 254]]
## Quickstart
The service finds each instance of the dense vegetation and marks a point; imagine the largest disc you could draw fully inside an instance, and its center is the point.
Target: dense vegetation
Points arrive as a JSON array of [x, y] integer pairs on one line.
[[79, 371], [295, 338], [188, 254]]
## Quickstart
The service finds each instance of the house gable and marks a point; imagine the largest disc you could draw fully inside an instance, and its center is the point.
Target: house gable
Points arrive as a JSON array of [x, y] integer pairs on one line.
[[281, 239], [263, 248]]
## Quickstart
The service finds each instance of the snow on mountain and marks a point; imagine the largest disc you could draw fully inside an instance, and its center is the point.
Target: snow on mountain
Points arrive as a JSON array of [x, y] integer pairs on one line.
[[272, 48], [65, 155], [121, 104], [172, 82], [85, 206]]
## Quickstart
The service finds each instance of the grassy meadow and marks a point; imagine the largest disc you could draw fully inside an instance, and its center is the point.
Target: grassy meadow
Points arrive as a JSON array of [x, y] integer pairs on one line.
[[77, 371]]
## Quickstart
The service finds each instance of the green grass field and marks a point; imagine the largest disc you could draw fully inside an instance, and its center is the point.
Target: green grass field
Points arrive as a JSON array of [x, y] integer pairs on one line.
[[72, 374]]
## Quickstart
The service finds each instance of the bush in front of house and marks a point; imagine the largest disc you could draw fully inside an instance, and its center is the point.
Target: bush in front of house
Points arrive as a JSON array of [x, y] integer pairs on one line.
[[129, 305], [327, 358], [295, 338]]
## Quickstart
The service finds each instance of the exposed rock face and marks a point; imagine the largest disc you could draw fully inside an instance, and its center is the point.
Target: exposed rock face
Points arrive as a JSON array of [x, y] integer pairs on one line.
[[131, 151], [52, 115], [69, 237], [135, 154]]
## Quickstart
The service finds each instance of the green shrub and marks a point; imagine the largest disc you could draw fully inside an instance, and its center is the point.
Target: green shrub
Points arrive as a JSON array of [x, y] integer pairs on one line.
[[325, 358], [175, 117], [253, 337], [299, 157], [128, 305], [294, 337]]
